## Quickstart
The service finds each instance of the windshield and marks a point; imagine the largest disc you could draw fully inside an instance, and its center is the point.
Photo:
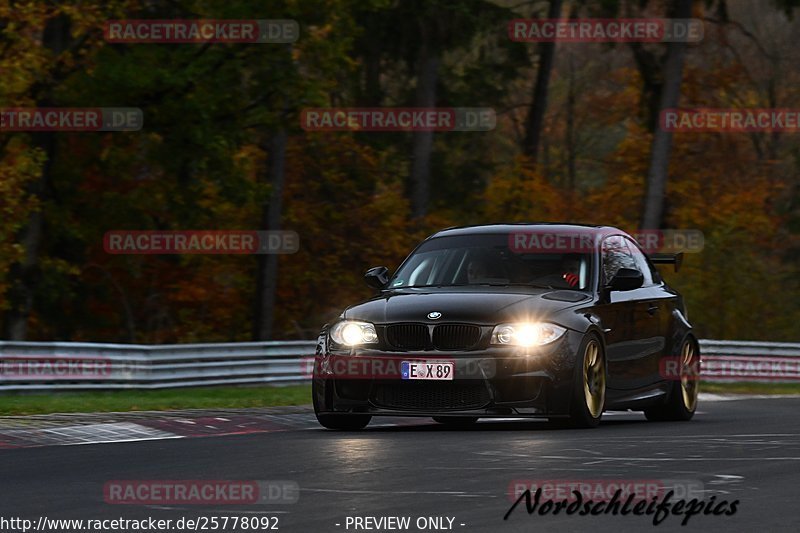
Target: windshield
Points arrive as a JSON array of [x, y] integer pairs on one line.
[[487, 260]]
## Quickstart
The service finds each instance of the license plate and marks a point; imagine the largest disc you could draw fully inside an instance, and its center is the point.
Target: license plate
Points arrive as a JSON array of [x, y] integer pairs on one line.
[[427, 370]]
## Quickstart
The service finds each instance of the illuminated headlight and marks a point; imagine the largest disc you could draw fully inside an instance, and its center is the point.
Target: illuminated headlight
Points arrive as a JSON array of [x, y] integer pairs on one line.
[[527, 334], [353, 333]]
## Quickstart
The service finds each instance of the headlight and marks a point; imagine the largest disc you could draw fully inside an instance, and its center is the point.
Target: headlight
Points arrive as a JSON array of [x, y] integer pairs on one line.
[[353, 333], [527, 334]]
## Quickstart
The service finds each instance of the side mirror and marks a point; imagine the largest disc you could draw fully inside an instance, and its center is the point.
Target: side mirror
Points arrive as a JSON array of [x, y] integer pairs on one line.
[[626, 279], [377, 277]]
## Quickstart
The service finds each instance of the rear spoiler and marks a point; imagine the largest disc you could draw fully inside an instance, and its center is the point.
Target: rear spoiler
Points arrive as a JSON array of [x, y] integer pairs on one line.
[[666, 259]]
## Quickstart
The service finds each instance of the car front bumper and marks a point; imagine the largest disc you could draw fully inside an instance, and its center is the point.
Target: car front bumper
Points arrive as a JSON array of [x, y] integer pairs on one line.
[[493, 382]]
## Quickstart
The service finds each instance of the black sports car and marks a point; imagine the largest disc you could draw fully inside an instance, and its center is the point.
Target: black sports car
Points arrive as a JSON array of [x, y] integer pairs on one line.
[[558, 321]]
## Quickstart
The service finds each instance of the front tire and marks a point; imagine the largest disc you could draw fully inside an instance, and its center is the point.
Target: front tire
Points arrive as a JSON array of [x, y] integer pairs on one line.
[[345, 422], [682, 401], [589, 387]]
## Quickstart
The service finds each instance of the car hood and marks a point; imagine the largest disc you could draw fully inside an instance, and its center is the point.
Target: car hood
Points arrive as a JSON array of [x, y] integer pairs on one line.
[[464, 305]]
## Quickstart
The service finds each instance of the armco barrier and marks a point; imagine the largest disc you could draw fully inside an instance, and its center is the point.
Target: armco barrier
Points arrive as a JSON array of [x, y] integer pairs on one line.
[[71, 365], [37, 366], [750, 361]]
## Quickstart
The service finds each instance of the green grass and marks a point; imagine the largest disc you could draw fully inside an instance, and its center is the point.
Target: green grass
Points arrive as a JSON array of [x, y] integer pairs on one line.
[[154, 400], [742, 387], [236, 397]]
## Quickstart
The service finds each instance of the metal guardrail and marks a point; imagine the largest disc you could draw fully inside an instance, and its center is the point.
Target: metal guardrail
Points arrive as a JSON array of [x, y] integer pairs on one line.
[[69, 365], [34, 366], [771, 362]]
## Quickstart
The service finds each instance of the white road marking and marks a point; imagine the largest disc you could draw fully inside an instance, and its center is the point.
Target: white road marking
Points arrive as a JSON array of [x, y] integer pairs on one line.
[[121, 440], [726, 479]]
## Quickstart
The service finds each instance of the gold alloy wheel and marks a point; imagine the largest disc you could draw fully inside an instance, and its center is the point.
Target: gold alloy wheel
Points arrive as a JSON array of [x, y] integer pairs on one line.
[[689, 376], [594, 378]]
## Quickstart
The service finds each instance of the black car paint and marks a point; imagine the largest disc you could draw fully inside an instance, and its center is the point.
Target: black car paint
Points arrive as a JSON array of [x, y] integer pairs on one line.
[[637, 328]]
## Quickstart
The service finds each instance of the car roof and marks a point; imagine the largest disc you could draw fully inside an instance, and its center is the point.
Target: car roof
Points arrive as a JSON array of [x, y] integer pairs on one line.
[[550, 227]]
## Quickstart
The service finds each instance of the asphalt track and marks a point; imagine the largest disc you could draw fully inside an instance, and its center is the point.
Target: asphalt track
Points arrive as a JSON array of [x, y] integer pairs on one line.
[[746, 450]]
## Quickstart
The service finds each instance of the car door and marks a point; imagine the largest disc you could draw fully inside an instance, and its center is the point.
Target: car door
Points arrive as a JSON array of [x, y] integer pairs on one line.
[[651, 315], [616, 312], [631, 336]]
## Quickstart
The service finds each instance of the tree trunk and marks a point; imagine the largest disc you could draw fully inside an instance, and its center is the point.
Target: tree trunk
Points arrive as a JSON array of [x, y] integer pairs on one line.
[[535, 120], [422, 141], [662, 140], [570, 133], [267, 272], [23, 275], [373, 94]]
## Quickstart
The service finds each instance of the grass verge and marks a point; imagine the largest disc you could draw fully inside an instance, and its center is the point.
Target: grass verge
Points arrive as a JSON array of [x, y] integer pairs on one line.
[[237, 397], [742, 387], [154, 400]]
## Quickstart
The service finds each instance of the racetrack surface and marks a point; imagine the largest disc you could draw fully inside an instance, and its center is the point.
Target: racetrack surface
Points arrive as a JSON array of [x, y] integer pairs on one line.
[[746, 450]]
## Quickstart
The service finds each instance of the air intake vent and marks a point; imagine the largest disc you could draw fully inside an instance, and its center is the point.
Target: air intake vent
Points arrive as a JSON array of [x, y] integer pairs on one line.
[[455, 336], [407, 336], [432, 396]]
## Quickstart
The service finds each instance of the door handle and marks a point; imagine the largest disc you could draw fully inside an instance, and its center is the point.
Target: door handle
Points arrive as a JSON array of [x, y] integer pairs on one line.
[[652, 309]]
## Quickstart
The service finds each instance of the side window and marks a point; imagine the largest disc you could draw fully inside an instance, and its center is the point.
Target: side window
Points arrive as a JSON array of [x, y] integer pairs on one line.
[[616, 255], [641, 263]]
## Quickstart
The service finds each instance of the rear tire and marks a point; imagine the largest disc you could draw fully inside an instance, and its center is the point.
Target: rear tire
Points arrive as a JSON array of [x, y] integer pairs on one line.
[[682, 399], [589, 387]]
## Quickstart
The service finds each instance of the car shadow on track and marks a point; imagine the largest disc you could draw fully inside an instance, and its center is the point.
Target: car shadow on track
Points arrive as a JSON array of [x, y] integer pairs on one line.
[[426, 425]]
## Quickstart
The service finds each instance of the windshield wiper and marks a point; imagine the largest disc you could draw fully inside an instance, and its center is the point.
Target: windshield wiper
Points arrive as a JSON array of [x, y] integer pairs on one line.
[[533, 285], [429, 286]]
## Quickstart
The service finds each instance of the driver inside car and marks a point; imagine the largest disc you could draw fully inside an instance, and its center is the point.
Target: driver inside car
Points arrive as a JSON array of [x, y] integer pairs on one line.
[[566, 272], [476, 271], [571, 270]]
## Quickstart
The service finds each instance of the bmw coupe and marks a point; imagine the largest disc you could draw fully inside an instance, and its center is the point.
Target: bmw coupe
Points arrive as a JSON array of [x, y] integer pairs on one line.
[[556, 321]]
